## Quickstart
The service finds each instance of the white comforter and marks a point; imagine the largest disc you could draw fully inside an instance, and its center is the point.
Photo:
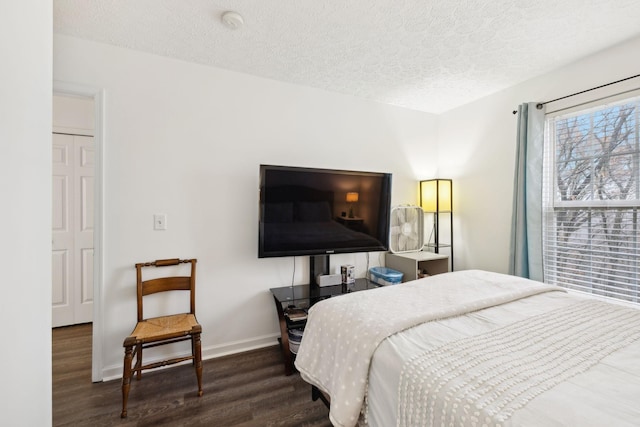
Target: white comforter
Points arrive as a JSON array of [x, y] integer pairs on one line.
[[606, 394], [343, 333], [486, 378]]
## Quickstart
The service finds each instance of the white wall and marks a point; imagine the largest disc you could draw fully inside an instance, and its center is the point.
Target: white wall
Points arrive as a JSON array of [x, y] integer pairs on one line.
[[477, 149], [186, 140], [25, 246]]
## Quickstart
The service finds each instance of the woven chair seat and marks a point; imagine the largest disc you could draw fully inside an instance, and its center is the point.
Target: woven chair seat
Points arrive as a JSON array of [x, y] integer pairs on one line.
[[159, 328]]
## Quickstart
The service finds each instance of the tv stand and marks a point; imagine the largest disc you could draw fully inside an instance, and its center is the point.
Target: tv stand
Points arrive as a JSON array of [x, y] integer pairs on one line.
[[318, 264], [304, 296]]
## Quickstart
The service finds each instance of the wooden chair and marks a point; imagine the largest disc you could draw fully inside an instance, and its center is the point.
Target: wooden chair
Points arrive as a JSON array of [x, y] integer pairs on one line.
[[162, 330]]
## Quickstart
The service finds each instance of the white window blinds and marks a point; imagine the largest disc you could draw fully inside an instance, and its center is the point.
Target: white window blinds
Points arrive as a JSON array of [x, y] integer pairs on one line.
[[591, 186]]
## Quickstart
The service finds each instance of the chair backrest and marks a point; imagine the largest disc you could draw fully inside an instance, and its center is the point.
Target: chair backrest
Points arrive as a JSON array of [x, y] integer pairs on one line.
[[168, 283]]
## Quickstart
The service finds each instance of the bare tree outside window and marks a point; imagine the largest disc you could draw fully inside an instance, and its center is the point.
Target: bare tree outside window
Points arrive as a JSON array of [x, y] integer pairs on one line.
[[591, 233]]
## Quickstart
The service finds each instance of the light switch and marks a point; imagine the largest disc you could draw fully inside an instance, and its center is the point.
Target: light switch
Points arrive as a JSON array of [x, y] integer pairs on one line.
[[160, 221]]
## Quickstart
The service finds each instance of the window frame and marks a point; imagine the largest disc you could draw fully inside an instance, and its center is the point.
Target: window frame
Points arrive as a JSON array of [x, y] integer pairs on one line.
[[552, 203]]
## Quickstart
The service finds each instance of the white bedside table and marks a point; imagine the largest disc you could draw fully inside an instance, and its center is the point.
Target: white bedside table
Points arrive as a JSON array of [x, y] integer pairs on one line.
[[411, 262]]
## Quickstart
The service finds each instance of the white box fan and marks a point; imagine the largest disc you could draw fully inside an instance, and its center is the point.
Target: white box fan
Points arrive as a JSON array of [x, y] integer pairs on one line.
[[406, 234]]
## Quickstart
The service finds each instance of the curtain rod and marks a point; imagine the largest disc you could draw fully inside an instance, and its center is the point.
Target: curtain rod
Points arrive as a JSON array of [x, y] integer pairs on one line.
[[541, 104]]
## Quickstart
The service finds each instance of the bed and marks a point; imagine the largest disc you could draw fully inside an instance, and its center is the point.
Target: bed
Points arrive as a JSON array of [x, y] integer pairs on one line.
[[474, 348]]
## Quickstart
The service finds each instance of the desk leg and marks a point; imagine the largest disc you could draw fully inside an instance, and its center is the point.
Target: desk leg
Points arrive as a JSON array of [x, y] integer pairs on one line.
[[284, 339]]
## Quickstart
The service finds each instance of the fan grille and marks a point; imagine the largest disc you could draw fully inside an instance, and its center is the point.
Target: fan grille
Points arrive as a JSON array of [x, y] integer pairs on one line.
[[406, 234]]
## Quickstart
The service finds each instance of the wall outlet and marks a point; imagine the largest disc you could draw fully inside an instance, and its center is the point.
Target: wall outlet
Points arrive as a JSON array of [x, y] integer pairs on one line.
[[160, 221]]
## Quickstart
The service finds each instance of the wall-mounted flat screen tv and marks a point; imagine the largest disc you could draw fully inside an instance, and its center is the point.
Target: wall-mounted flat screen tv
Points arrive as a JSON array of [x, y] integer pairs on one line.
[[310, 211]]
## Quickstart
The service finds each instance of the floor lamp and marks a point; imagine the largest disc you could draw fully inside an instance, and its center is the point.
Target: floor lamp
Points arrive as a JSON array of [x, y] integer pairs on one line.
[[436, 196]]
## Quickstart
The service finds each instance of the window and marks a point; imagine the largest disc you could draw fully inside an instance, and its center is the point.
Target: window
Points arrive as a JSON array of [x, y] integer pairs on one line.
[[591, 198]]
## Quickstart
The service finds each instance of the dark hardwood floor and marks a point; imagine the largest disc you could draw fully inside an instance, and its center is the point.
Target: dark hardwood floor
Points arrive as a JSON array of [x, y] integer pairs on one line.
[[248, 389]]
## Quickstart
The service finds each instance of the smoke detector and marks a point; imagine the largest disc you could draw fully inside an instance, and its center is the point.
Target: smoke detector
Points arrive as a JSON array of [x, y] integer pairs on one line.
[[232, 20]]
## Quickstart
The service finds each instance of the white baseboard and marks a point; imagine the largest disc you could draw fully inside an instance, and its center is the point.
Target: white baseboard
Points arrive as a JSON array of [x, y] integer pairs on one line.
[[211, 352]]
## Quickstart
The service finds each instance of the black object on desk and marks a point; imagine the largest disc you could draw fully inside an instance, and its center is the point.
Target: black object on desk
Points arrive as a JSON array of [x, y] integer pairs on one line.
[[304, 296]]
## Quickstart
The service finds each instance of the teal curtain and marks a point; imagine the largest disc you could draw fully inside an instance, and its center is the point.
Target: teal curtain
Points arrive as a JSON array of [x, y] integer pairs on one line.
[[526, 225]]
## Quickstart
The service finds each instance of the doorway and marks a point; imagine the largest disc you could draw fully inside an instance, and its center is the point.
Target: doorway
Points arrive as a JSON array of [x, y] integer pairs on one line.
[[93, 188], [73, 167]]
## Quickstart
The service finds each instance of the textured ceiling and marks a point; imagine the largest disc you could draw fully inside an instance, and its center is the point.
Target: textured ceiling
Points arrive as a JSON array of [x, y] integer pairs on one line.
[[428, 55]]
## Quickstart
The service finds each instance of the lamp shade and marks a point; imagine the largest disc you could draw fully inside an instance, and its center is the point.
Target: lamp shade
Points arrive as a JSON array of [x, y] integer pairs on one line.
[[352, 197], [436, 195]]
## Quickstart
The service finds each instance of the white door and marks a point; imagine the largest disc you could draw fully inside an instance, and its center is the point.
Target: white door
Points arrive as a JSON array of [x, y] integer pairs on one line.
[[72, 229]]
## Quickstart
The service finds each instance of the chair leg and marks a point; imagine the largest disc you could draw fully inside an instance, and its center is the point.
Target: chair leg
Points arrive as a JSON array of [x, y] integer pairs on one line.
[[198, 360], [193, 351], [126, 379], [138, 362]]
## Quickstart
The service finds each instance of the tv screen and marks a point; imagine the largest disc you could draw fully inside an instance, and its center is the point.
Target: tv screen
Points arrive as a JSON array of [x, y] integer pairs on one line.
[[309, 211]]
